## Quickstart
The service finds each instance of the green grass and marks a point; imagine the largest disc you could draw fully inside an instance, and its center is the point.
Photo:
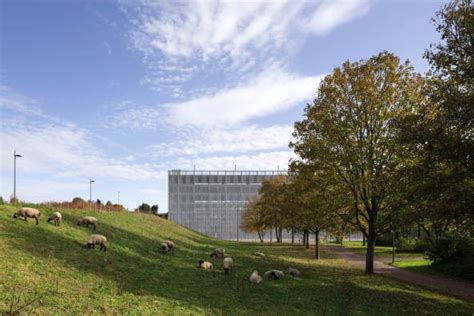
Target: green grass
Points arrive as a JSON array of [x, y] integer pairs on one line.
[[384, 252], [132, 277]]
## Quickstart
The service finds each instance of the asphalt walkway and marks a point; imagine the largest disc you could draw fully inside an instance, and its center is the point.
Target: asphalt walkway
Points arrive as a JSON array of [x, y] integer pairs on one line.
[[464, 290]]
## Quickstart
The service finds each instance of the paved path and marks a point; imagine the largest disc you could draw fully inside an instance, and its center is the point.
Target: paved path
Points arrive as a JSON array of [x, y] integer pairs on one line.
[[440, 284]]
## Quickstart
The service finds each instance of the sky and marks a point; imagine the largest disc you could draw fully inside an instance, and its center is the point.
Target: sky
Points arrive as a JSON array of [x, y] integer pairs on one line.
[[123, 91]]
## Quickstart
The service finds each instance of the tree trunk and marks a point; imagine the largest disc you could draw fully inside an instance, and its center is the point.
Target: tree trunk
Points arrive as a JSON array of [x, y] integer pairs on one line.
[[292, 235], [363, 239], [316, 242], [369, 259], [307, 239]]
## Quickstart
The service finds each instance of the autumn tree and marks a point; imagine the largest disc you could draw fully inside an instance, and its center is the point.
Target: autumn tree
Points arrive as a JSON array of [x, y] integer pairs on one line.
[[273, 203], [254, 218], [348, 130], [316, 199]]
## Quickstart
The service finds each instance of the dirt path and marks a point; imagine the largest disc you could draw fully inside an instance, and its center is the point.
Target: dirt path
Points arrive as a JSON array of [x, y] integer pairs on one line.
[[440, 284]]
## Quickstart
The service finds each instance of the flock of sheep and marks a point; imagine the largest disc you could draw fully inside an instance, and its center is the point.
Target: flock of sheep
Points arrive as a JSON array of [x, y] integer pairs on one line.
[[166, 247], [56, 218]]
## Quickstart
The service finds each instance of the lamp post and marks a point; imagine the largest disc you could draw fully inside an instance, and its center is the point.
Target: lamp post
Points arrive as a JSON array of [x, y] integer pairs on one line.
[[90, 191], [393, 245], [118, 197], [15, 155]]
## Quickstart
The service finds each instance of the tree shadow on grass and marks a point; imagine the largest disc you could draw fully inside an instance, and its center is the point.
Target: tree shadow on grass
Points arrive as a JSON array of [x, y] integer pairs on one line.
[[135, 265]]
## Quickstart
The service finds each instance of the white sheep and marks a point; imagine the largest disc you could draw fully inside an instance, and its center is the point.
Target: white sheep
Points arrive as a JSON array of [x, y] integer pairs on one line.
[[96, 239], [205, 265], [228, 265], [170, 244], [274, 274], [259, 254], [294, 272], [218, 252], [26, 212], [56, 218], [88, 220], [255, 278]]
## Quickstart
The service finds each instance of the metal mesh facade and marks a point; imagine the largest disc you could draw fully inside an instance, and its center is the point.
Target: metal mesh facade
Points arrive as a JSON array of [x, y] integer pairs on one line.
[[212, 202]]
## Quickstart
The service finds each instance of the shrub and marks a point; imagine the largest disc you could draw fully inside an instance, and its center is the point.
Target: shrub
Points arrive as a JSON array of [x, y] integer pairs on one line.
[[452, 249]]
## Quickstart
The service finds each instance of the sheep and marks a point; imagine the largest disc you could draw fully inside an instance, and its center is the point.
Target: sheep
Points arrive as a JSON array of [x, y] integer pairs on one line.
[[55, 218], [255, 278], [170, 244], [218, 252], [96, 239], [274, 274], [259, 254], [205, 265], [294, 272], [26, 212], [164, 248], [228, 265], [88, 220]]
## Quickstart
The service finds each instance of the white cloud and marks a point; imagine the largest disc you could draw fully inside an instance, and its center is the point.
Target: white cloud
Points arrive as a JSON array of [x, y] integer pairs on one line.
[[64, 151], [235, 36], [270, 92], [332, 13], [239, 140]]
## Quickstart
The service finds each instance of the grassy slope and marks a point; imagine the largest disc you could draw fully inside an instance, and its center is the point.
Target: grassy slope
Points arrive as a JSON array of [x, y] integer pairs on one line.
[[132, 277]]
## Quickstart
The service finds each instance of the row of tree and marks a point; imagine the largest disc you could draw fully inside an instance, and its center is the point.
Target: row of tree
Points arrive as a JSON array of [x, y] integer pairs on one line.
[[383, 146]]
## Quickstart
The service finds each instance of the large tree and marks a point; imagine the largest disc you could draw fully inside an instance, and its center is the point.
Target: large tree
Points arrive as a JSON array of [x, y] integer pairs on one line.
[[317, 201], [348, 131]]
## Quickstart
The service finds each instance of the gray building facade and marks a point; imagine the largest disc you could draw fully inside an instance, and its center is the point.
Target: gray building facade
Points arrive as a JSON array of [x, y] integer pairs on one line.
[[212, 201]]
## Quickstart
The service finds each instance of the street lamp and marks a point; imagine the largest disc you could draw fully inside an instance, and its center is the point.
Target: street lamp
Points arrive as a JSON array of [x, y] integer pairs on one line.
[[118, 197], [15, 155], [90, 192], [393, 245]]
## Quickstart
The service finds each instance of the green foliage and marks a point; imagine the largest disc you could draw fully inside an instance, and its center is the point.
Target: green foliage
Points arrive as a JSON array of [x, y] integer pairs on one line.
[[437, 134], [144, 208], [133, 278], [348, 137]]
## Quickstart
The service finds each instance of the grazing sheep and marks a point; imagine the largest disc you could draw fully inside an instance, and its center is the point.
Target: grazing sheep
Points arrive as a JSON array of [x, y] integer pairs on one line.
[[170, 244], [164, 248], [96, 239], [228, 265], [294, 272], [26, 212], [218, 252], [259, 254], [205, 265], [274, 274], [55, 218], [88, 220], [255, 278]]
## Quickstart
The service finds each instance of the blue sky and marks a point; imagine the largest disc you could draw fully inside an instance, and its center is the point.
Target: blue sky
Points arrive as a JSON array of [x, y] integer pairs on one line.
[[123, 91]]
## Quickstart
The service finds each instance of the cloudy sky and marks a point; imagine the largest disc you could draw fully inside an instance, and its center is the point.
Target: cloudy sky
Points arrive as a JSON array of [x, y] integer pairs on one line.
[[123, 91]]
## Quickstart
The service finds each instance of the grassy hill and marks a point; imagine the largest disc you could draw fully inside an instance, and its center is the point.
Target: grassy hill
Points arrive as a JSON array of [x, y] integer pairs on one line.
[[133, 277]]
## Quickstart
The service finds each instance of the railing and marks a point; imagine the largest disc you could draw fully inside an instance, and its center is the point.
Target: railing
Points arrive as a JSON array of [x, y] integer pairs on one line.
[[227, 172]]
